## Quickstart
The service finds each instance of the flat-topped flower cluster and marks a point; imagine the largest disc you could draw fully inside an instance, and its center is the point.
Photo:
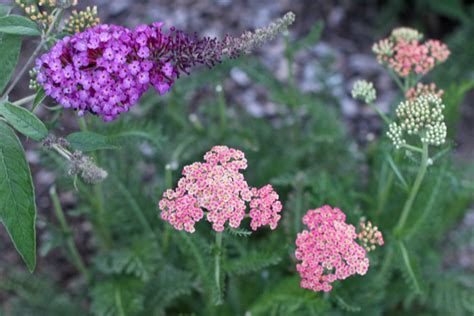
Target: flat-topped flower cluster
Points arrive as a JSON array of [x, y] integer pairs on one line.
[[403, 52], [216, 188], [328, 250]]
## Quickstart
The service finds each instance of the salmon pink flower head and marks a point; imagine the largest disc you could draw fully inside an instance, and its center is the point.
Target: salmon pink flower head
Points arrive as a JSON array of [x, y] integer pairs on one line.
[[217, 190], [328, 250], [405, 54]]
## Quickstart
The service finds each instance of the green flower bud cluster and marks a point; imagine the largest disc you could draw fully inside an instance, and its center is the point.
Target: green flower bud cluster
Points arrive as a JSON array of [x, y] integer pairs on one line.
[[407, 34], [422, 116], [364, 91]]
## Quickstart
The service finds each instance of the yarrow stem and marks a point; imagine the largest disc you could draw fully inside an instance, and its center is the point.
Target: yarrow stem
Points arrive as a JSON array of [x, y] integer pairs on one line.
[[217, 267], [75, 256], [413, 192]]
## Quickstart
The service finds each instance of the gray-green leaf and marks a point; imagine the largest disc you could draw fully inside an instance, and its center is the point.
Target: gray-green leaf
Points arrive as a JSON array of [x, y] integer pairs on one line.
[[5, 9], [10, 46], [23, 121], [89, 141], [18, 25], [17, 198]]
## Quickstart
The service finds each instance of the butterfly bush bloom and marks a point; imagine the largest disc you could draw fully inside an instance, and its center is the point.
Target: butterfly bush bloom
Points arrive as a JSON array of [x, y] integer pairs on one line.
[[403, 52], [217, 189], [328, 250], [105, 69], [422, 117]]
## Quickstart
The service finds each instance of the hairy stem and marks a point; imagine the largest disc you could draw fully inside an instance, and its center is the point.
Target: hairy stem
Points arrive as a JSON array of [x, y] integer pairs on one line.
[[75, 256], [414, 191], [25, 100]]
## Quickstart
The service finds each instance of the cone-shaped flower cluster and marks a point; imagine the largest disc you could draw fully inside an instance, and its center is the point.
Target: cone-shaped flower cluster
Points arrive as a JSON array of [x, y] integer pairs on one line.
[[328, 250], [216, 188], [422, 117], [403, 52], [105, 69]]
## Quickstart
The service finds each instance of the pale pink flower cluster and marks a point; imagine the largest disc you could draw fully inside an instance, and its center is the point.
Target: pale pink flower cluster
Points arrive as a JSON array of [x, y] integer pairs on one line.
[[406, 55], [328, 250], [369, 235], [218, 187], [423, 89]]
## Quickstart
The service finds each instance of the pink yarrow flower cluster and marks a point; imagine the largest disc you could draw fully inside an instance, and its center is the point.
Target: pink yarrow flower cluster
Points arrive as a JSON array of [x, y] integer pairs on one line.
[[328, 250], [405, 54], [217, 189], [423, 89]]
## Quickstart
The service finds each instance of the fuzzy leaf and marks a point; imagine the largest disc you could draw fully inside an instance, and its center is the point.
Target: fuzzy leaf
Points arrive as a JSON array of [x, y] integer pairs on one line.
[[18, 25], [40, 96], [23, 121], [17, 198], [253, 262], [89, 141], [5, 9], [10, 46]]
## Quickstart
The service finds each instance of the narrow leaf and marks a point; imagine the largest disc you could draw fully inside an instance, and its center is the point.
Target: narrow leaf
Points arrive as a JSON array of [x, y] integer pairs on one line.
[[397, 172], [10, 46], [40, 96], [17, 199], [409, 268], [18, 25], [24, 121], [89, 141]]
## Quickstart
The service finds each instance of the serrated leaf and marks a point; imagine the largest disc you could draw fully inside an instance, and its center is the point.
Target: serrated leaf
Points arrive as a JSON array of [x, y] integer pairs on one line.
[[18, 25], [253, 262], [89, 141], [409, 268], [23, 121], [17, 198], [10, 46]]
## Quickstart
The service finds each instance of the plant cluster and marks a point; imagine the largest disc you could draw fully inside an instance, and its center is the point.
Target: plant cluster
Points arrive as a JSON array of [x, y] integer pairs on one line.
[[151, 250]]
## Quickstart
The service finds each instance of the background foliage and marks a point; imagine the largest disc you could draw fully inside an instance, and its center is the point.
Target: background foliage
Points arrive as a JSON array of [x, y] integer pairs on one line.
[[135, 264]]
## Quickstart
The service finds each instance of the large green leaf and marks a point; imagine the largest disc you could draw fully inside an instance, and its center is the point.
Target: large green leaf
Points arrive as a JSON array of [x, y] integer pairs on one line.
[[17, 198], [18, 25], [89, 141], [10, 46], [23, 121]]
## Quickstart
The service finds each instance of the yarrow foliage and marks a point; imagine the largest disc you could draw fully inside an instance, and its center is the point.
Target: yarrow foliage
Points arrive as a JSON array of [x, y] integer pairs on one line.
[[328, 250], [216, 188], [403, 52], [422, 117], [105, 69]]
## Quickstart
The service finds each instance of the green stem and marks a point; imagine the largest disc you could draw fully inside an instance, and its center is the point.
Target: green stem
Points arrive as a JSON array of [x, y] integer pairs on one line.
[[217, 267], [413, 148], [222, 108], [168, 184], [75, 256], [380, 113], [26, 65], [98, 199], [118, 302], [413, 192], [25, 100]]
